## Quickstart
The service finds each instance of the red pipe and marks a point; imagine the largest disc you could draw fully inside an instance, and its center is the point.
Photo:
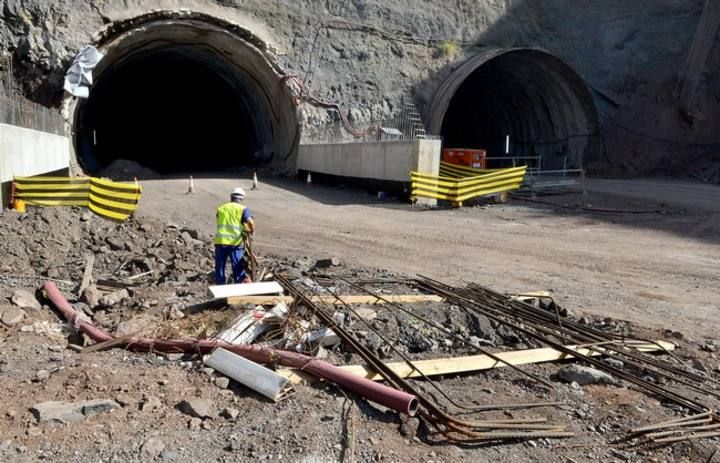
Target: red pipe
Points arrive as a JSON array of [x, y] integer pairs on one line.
[[399, 401]]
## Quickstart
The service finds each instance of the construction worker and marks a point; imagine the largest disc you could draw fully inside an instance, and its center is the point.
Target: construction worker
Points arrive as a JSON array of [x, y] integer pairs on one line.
[[234, 221]]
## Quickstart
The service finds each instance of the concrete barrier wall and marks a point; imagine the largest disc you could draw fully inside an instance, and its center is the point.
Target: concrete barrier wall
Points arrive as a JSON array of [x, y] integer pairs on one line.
[[384, 160], [27, 152]]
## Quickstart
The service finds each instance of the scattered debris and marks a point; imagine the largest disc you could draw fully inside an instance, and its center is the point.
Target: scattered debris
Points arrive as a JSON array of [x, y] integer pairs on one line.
[[541, 300], [152, 448], [584, 375], [709, 346], [151, 404], [366, 313], [324, 337], [140, 324], [57, 332], [91, 296], [230, 413], [222, 382], [126, 400], [11, 316], [113, 298], [70, 412], [198, 408], [194, 424], [327, 263], [25, 299], [250, 325]]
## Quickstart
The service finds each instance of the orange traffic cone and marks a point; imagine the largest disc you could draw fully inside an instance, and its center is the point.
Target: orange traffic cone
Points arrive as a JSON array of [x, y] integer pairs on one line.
[[191, 186], [255, 182]]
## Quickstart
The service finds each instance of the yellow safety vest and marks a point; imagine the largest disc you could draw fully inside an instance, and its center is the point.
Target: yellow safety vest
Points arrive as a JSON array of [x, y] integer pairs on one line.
[[230, 226]]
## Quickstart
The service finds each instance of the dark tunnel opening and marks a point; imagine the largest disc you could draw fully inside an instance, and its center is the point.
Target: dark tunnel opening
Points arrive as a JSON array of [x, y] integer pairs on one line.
[[529, 95], [180, 92], [169, 110]]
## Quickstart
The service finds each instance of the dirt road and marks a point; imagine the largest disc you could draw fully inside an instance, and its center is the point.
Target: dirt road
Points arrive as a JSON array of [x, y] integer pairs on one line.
[[661, 268]]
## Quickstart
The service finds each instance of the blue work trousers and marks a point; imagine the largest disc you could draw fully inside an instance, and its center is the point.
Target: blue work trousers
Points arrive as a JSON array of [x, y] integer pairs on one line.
[[236, 260]]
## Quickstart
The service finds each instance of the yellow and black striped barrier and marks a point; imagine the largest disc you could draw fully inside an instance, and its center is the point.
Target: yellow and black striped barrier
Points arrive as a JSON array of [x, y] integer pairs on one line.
[[454, 187], [456, 171], [108, 199]]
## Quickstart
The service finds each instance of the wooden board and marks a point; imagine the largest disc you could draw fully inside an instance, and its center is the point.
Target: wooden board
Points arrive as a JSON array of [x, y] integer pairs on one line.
[[348, 299], [472, 363], [245, 289]]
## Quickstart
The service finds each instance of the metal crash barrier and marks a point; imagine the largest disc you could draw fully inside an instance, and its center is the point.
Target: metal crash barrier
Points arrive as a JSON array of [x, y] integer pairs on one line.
[[108, 199]]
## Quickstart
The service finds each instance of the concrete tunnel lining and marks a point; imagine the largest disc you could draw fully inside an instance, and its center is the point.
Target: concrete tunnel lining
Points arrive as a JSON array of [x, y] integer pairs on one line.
[[529, 94], [223, 66]]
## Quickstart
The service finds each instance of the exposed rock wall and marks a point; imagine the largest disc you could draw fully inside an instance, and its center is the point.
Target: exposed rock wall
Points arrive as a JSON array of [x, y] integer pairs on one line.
[[367, 55]]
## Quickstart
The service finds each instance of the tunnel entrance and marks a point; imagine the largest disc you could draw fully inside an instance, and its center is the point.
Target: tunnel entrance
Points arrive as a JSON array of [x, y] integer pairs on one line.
[[168, 110], [180, 95], [533, 97]]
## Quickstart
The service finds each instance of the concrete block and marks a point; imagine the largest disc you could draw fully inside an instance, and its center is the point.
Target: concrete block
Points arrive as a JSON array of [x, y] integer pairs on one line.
[[26, 152]]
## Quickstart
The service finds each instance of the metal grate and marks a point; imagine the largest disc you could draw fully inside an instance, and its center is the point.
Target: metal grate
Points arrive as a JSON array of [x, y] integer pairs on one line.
[[19, 111]]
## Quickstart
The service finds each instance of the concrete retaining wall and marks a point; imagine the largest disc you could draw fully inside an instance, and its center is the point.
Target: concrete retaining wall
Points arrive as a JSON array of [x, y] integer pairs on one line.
[[385, 160], [26, 152]]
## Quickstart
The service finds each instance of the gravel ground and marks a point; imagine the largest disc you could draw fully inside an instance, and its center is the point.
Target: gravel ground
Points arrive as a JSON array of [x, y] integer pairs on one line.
[[320, 422]]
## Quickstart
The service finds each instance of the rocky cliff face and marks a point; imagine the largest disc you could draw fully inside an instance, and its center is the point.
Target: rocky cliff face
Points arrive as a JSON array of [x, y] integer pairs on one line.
[[368, 55]]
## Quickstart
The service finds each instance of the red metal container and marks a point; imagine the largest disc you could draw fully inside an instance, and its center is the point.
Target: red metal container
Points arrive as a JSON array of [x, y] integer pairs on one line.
[[474, 158]]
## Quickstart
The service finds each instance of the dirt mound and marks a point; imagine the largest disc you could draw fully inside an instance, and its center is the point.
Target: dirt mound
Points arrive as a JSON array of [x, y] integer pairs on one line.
[[126, 170], [54, 243]]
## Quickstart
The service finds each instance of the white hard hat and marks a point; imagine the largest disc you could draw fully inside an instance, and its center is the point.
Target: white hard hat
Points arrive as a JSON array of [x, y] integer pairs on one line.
[[239, 192]]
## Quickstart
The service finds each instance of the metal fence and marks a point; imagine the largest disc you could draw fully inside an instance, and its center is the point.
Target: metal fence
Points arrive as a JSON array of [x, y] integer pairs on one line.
[[542, 179], [18, 111], [405, 124]]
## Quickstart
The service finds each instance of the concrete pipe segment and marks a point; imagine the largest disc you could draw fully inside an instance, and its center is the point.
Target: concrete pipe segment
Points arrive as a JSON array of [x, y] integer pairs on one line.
[[531, 95], [181, 91]]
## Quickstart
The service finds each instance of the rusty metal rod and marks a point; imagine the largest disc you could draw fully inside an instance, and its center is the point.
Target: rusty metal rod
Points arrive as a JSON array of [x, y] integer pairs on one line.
[[706, 427], [701, 435], [548, 324], [470, 304], [444, 330], [665, 424], [432, 412], [571, 325]]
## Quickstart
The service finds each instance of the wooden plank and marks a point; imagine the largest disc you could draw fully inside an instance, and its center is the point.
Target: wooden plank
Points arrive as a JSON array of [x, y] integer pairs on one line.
[[109, 343], [106, 283], [349, 299], [245, 289], [87, 273], [473, 363]]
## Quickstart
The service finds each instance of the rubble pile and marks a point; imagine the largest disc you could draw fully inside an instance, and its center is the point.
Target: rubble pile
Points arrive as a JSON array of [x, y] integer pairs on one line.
[[53, 242]]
